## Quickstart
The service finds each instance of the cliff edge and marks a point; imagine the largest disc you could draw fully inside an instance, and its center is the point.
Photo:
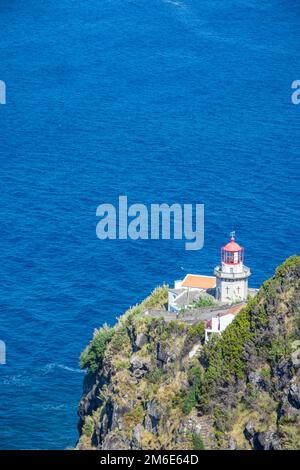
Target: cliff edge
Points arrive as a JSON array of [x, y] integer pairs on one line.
[[153, 384]]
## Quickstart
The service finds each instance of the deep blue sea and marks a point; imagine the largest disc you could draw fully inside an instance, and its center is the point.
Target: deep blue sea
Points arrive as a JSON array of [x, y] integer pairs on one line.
[[184, 101]]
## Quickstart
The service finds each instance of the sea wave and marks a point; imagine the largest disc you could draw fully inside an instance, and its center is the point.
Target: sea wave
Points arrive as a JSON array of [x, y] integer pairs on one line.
[[175, 3], [48, 406], [16, 380], [49, 367], [26, 377]]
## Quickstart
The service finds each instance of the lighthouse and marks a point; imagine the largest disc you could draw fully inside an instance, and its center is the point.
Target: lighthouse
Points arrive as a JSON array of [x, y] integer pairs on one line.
[[232, 275]]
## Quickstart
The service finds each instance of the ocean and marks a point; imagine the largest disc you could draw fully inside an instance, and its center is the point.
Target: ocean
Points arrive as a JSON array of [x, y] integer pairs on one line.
[[159, 100]]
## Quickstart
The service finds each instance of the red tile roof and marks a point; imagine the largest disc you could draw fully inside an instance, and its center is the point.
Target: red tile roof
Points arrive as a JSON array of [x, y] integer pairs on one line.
[[200, 282]]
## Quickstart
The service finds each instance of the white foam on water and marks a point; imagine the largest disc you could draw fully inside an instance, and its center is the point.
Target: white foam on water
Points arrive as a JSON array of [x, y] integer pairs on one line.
[[48, 406], [16, 380], [175, 3], [49, 367]]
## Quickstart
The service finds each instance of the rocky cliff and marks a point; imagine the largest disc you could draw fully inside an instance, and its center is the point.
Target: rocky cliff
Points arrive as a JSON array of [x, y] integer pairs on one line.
[[152, 384]]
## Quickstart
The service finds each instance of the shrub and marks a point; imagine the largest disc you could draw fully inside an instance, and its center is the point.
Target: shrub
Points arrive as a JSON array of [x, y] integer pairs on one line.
[[158, 298], [278, 349], [291, 264], [132, 418], [119, 340], [195, 376], [189, 402], [155, 376], [88, 427], [197, 332], [197, 442], [122, 364], [225, 355], [205, 300], [92, 357], [290, 437], [195, 381]]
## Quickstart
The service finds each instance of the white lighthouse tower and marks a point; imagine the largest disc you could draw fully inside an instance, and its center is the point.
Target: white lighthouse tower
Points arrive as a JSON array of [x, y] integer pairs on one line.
[[232, 275]]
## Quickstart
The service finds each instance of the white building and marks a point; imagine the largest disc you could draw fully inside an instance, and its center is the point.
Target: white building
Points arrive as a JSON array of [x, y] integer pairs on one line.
[[186, 291], [219, 322], [228, 286], [232, 275]]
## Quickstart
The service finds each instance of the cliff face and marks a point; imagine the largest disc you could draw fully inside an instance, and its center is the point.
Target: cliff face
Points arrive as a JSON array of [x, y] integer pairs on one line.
[[153, 385]]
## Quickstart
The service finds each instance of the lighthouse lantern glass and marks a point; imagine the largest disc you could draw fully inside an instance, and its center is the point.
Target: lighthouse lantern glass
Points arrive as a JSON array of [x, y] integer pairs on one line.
[[232, 257]]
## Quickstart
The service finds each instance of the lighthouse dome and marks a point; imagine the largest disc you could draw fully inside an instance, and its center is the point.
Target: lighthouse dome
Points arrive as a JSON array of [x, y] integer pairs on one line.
[[232, 253], [232, 246]]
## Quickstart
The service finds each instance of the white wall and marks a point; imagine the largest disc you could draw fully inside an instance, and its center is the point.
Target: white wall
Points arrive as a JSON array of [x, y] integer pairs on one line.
[[232, 268], [223, 321], [178, 284], [171, 301], [233, 291]]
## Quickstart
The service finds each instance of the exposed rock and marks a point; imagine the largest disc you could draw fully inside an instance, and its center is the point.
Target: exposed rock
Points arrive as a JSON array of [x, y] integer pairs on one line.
[[249, 432], [294, 393], [137, 437], [140, 365], [141, 340], [116, 442], [148, 424], [286, 410], [154, 413], [256, 379], [267, 441], [162, 355], [90, 400], [105, 423], [232, 444], [194, 351], [166, 354]]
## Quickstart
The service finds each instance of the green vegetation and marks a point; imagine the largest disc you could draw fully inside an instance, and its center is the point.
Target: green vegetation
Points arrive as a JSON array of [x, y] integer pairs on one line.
[[92, 357], [253, 336], [205, 300], [224, 355], [195, 381], [290, 437], [132, 418], [197, 442], [146, 374], [196, 332], [290, 264], [88, 427], [156, 300], [155, 376]]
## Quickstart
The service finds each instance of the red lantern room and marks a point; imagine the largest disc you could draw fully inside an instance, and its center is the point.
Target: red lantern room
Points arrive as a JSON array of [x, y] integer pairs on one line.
[[232, 253]]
